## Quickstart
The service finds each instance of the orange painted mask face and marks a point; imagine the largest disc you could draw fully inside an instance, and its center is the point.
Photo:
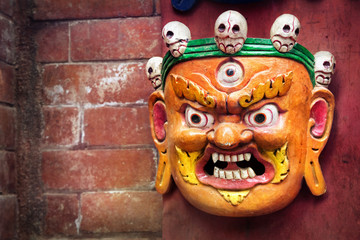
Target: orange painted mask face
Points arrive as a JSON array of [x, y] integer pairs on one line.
[[238, 134]]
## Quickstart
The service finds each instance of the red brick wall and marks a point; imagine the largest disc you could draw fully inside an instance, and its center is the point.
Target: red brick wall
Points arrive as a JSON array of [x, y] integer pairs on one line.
[[8, 197], [98, 162]]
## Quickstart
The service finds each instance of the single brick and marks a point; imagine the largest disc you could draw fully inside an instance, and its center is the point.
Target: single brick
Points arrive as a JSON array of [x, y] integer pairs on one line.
[[62, 126], [7, 40], [52, 42], [87, 9], [8, 209], [96, 83], [7, 83], [117, 126], [62, 83], [117, 83], [61, 214], [116, 39], [104, 212], [158, 7], [98, 169], [7, 127], [7, 172]]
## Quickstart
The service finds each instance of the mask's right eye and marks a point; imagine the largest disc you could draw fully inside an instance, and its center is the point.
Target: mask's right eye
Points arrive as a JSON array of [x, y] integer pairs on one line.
[[198, 119]]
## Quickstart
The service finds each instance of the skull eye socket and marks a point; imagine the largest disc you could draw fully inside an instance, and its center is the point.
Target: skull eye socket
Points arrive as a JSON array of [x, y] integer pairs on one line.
[[198, 119], [266, 116], [221, 28], [326, 64], [286, 28], [297, 31], [150, 70], [169, 34], [236, 29]]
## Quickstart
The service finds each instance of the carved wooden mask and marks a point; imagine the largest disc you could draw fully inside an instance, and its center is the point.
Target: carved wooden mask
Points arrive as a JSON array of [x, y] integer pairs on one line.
[[237, 133]]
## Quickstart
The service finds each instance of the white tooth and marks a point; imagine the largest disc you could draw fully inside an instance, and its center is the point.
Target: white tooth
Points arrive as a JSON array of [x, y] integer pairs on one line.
[[247, 156], [215, 157], [216, 172], [241, 157], [237, 174], [228, 175], [244, 173], [251, 172], [221, 174], [221, 157], [234, 158], [227, 158]]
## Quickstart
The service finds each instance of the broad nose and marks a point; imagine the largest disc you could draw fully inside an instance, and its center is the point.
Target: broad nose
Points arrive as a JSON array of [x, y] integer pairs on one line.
[[230, 135]]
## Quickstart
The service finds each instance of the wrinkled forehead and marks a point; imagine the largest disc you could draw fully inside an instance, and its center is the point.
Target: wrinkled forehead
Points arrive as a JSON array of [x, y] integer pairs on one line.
[[232, 74]]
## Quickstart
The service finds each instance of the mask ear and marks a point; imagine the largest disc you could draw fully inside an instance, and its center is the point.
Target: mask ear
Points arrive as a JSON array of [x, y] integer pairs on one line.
[[158, 121], [321, 117]]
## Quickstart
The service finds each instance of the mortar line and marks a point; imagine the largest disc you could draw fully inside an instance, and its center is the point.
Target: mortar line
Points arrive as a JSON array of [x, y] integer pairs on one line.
[[93, 62], [69, 46]]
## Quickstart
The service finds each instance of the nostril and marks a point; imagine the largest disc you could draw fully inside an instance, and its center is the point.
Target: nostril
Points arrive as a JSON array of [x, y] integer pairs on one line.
[[247, 135], [230, 135]]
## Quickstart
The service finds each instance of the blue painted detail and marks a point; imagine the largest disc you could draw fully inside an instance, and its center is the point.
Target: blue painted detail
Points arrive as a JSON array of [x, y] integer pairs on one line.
[[236, 1], [183, 5]]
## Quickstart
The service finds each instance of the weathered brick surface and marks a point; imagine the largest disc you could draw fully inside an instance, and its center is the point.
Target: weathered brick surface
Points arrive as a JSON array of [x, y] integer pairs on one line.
[[121, 212], [83, 9], [98, 169], [61, 213], [117, 126], [62, 84], [7, 36], [7, 83], [7, 172], [52, 42], [96, 83], [7, 7], [8, 210], [7, 127], [116, 39], [62, 126]]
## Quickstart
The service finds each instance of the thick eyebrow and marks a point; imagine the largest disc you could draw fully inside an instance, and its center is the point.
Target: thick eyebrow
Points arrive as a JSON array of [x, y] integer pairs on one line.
[[185, 88], [269, 89]]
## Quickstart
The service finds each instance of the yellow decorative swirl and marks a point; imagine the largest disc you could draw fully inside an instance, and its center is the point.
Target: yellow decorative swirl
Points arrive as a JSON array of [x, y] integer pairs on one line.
[[279, 158], [234, 197], [186, 164], [270, 89], [191, 91]]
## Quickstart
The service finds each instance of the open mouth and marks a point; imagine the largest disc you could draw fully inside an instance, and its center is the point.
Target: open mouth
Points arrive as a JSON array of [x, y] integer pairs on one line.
[[235, 170]]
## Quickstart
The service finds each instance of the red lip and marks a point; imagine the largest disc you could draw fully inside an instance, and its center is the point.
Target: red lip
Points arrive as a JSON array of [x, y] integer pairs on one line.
[[233, 184]]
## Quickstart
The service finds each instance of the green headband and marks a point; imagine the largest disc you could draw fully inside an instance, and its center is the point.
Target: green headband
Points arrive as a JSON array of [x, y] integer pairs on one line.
[[206, 47]]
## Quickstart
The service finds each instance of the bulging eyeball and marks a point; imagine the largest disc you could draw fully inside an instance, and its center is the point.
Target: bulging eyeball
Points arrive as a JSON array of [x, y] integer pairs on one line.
[[230, 31], [324, 68], [176, 36], [284, 32], [153, 71]]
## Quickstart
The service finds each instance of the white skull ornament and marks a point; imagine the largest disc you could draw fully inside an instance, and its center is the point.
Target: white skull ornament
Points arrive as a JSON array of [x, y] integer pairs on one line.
[[324, 68], [153, 71], [284, 32], [230, 31], [176, 36]]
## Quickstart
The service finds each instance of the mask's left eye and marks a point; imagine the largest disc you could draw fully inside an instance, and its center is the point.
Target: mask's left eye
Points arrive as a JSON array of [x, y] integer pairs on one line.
[[266, 116], [198, 119]]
